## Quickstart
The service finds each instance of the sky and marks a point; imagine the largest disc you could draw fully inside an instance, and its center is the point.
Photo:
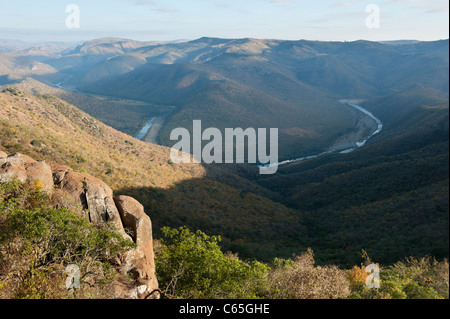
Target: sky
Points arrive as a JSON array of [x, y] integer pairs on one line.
[[167, 20]]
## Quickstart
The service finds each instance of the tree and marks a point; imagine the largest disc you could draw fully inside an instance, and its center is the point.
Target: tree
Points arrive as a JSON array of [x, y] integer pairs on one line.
[[191, 265]]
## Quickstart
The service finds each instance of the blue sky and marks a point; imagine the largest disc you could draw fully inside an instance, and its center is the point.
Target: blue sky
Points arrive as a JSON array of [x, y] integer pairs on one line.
[[326, 20]]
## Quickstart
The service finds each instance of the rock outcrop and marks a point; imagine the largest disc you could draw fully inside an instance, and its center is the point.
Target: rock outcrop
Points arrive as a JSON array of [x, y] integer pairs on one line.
[[59, 172], [139, 262], [92, 199], [27, 170]]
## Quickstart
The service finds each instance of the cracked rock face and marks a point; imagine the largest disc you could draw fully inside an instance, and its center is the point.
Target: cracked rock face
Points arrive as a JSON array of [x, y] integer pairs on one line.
[[93, 195], [93, 199], [139, 263], [59, 172]]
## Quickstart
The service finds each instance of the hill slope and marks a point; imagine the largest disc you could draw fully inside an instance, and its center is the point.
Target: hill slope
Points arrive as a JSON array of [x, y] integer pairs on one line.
[[15, 67], [47, 127], [384, 196]]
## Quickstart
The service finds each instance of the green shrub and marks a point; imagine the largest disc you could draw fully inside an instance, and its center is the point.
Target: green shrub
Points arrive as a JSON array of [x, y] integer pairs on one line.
[[38, 241], [423, 278], [12, 91], [36, 143], [191, 265]]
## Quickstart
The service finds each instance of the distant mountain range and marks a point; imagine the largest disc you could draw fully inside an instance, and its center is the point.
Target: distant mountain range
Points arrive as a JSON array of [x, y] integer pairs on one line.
[[292, 85]]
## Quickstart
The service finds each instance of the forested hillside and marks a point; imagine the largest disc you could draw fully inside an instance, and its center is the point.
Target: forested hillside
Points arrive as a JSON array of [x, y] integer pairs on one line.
[[390, 196], [46, 127]]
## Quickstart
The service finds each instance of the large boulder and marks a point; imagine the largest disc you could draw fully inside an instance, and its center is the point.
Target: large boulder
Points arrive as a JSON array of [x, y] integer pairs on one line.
[[139, 263], [26, 170], [93, 195], [19, 158], [41, 175], [93, 200], [10, 170]]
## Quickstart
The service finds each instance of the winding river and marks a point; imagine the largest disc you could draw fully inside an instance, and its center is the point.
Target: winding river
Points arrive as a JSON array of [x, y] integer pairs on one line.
[[145, 129], [152, 138], [379, 124], [149, 133], [341, 151]]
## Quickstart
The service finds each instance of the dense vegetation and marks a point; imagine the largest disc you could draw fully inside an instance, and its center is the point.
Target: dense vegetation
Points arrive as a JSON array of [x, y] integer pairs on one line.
[[192, 265], [390, 197], [38, 242], [395, 186]]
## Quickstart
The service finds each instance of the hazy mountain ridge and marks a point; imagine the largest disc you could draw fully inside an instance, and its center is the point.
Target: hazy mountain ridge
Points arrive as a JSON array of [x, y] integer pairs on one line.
[[302, 80], [357, 59], [14, 68], [39, 51]]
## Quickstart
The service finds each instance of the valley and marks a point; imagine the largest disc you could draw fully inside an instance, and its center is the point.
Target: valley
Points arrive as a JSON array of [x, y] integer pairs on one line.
[[153, 132], [363, 138], [365, 129], [145, 130], [149, 133]]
